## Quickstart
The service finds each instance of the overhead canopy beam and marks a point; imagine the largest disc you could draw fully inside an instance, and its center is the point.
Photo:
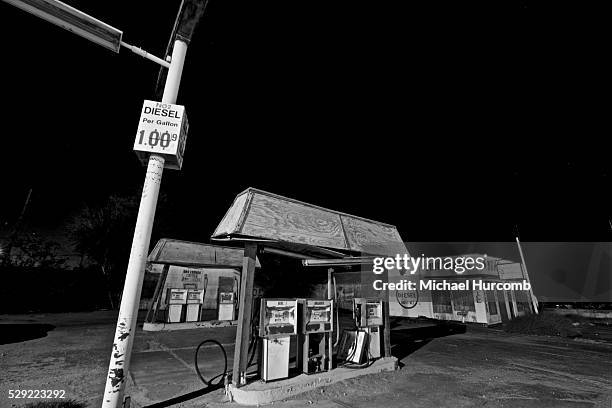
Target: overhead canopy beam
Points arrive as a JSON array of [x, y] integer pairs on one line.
[[194, 265], [195, 254], [238, 238], [282, 252], [366, 260]]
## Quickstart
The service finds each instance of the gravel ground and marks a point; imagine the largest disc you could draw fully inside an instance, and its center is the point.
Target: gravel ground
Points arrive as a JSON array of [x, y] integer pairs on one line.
[[486, 368]]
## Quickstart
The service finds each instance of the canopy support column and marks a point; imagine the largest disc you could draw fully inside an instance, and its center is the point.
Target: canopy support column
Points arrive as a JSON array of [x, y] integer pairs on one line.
[[245, 308], [157, 296], [386, 320]]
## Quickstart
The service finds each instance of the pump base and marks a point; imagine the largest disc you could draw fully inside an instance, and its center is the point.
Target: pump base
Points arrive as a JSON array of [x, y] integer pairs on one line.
[[187, 325], [259, 393]]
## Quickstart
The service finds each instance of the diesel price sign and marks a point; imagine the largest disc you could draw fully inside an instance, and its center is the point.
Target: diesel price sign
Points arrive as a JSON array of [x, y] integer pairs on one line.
[[162, 130]]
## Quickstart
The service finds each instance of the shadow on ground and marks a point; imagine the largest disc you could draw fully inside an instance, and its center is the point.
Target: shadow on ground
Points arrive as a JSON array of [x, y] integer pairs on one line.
[[16, 333], [407, 340], [186, 397], [56, 404]]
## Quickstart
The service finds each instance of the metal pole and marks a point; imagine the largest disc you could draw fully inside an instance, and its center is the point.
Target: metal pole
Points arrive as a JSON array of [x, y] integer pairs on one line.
[[534, 301], [128, 312], [144, 54], [330, 293], [16, 227], [329, 337]]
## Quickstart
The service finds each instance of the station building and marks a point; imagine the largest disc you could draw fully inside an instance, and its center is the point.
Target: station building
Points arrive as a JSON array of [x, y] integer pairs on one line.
[[210, 272], [470, 306]]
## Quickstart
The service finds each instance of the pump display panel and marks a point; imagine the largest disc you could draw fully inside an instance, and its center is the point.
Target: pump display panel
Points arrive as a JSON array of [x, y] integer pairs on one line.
[[226, 306], [374, 315], [278, 317], [226, 298], [195, 296], [317, 316], [367, 313], [178, 296]]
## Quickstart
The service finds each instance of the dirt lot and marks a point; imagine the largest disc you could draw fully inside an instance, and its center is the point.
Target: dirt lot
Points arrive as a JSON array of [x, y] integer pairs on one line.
[[486, 368], [481, 367]]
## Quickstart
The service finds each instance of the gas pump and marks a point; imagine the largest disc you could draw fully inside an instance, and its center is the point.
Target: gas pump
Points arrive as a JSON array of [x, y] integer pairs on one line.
[[176, 300], [195, 299], [317, 323], [368, 315], [226, 298], [277, 323], [226, 306]]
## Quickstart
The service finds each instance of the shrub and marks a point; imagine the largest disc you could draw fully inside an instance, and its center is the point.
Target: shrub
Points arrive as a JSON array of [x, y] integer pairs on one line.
[[543, 324]]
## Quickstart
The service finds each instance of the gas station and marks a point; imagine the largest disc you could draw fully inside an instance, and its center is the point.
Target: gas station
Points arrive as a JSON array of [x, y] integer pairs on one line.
[[304, 338], [296, 280]]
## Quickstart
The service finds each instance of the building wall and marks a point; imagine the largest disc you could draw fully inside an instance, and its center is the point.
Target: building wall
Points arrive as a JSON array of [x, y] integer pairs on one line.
[[475, 306]]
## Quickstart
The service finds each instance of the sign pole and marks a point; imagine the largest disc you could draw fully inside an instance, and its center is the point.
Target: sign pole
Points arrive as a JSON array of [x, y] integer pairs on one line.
[[130, 300], [534, 300]]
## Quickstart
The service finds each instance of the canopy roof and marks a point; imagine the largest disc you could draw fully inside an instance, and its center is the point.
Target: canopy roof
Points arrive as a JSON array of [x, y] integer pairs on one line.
[[194, 254], [257, 215]]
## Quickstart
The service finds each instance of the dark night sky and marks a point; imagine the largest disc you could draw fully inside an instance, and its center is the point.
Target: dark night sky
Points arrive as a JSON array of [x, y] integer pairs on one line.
[[452, 121]]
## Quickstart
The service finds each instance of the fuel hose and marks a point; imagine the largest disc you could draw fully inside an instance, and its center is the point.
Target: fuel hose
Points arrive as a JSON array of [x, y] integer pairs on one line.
[[197, 367]]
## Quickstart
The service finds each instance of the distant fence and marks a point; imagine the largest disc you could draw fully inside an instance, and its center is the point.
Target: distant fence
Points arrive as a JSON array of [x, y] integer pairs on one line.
[[590, 313]]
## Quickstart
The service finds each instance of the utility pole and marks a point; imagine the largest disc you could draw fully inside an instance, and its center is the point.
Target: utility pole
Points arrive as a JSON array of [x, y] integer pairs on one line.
[[189, 14], [128, 311], [534, 300], [16, 228]]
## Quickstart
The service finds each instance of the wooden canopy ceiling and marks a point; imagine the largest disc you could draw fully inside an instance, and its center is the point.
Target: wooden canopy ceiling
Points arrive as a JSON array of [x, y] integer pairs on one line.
[[257, 215]]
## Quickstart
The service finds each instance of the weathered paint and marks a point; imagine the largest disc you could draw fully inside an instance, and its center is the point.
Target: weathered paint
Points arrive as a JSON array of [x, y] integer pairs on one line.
[[118, 365], [116, 376]]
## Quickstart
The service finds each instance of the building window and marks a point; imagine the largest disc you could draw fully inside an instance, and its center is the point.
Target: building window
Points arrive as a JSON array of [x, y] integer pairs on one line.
[[522, 301], [491, 303], [441, 301], [463, 301]]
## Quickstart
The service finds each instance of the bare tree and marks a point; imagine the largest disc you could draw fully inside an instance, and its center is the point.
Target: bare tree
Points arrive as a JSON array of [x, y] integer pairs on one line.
[[104, 234]]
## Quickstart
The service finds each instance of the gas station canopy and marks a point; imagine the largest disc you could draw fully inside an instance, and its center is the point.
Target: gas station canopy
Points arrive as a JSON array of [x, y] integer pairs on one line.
[[194, 254], [273, 220]]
